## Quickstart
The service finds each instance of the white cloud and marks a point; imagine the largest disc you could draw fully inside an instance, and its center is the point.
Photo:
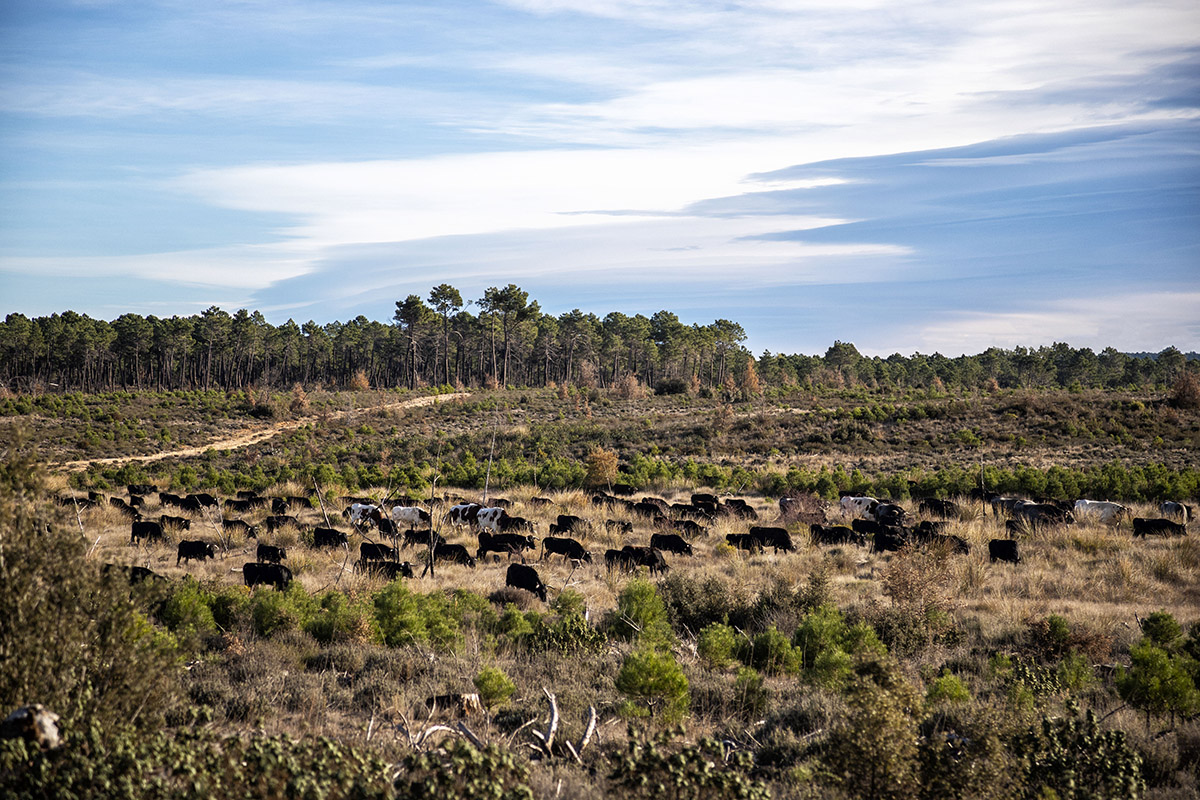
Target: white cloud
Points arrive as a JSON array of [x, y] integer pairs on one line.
[[1135, 321]]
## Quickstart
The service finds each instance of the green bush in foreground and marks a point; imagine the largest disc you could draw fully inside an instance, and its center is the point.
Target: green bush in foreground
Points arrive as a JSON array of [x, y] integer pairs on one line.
[[653, 769]]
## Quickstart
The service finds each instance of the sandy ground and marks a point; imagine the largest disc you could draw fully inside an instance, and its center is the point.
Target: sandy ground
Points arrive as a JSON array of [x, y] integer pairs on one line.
[[248, 437]]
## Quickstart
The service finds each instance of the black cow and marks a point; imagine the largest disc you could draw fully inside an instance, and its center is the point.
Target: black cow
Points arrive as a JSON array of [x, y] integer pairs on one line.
[[270, 553], [566, 547], [421, 537], [868, 527], [241, 506], [926, 528], [710, 499], [618, 526], [168, 499], [275, 574], [453, 552], [241, 526], [569, 523], [651, 510], [133, 574], [146, 529], [246, 494], [777, 538], [1157, 527], [515, 524], [887, 542], [280, 505], [889, 514], [619, 559], [192, 548], [522, 576], [670, 543], [741, 508], [946, 509], [329, 537], [504, 543], [744, 541], [835, 534], [387, 569], [1003, 550], [646, 557], [278, 521], [141, 488], [137, 500], [178, 523], [370, 551], [540, 502]]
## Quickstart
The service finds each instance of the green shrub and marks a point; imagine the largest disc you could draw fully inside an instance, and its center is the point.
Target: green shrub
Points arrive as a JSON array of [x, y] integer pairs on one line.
[[1072, 758], [827, 647], [406, 617], [770, 652], [654, 682], [1162, 629], [494, 687], [1159, 682], [567, 635], [654, 769], [338, 619], [716, 645], [947, 688], [641, 615], [752, 696], [458, 771], [272, 611], [187, 612]]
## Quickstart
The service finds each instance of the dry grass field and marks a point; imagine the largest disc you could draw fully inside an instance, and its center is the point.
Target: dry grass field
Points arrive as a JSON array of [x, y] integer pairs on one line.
[[1028, 643]]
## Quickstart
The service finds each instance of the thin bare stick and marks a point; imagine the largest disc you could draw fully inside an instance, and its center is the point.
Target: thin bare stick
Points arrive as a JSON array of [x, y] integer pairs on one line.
[[589, 731]]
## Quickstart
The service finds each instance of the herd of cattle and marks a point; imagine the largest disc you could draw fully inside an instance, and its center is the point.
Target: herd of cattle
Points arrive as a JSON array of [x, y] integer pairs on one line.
[[881, 525]]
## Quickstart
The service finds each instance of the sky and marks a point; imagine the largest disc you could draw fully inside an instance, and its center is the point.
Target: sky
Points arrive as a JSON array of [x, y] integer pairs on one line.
[[907, 176]]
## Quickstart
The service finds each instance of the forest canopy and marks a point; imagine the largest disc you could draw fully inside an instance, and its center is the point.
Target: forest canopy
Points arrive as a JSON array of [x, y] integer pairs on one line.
[[436, 341]]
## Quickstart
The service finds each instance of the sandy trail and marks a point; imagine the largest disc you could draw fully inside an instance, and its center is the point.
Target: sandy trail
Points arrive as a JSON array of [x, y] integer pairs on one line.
[[247, 438]]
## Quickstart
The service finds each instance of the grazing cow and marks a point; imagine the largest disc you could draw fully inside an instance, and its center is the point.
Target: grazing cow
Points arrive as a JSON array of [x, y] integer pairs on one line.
[[137, 500], [241, 526], [421, 537], [386, 569], [488, 519], [330, 537], [645, 509], [270, 553], [566, 547], [246, 494], [1106, 513], [277, 575], [1007, 505], [278, 521], [299, 501], [1040, 514], [126, 509], [168, 499], [835, 534], [618, 526], [1157, 527], [141, 488], [540, 502], [206, 500], [858, 506], [511, 543], [954, 544], [946, 509], [410, 516], [646, 557], [191, 548], [702, 497], [522, 576], [1176, 510], [146, 529], [663, 505], [133, 574], [280, 505], [1003, 550], [777, 538], [194, 503], [241, 506], [741, 508], [178, 523], [670, 543], [689, 528], [868, 527], [453, 552], [889, 514], [619, 559], [927, 528], [569, 523], [370, 551], [744, 541], [463, 514], [508, 524], [887, 542], [361, 513]]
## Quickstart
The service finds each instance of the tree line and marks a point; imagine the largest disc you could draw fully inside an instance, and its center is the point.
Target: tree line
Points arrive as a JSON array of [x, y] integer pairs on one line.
[[508, 340]]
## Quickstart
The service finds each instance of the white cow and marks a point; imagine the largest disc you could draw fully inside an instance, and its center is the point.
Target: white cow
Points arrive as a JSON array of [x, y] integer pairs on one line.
[[1105, 512], [489, 519], [409, 516], [858, 506], [360, 512]]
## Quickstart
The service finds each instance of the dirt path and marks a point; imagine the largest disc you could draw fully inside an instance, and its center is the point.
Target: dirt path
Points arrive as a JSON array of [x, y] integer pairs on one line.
[[247, 438]]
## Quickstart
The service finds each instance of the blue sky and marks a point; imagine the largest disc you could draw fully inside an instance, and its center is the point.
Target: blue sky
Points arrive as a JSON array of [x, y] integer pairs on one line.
[[917, 176]]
